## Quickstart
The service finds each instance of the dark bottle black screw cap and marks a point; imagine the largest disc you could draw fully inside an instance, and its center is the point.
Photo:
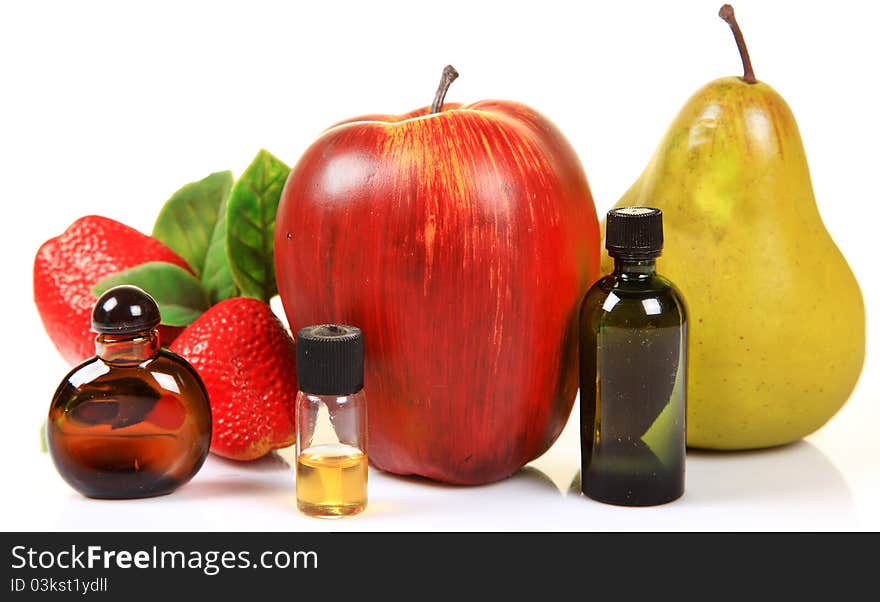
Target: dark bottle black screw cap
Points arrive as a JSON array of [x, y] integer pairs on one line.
[[330, 359], [125, 309], [634, 232]]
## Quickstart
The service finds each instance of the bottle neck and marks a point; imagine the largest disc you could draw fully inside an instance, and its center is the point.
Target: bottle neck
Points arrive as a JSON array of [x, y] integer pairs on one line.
[[133, 348], [635, 267]]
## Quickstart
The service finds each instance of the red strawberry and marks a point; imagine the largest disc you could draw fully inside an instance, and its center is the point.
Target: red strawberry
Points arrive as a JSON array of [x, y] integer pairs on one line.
[[68, 266], [247, 360]]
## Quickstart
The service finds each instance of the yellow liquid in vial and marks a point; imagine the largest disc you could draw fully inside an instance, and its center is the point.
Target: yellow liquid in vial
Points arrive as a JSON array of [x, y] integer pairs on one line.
[[331, 480]]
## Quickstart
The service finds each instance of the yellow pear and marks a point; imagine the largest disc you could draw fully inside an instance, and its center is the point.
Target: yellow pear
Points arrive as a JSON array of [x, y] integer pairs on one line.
[[777, 321]]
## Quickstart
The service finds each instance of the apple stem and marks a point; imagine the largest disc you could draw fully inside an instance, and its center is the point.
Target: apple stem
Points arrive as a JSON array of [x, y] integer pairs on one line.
[[726, 13], [449, 76]]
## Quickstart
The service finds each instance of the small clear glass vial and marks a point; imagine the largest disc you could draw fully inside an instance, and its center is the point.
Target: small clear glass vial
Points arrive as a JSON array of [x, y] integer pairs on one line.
[[633, 361], [331, 421], [133, 421]]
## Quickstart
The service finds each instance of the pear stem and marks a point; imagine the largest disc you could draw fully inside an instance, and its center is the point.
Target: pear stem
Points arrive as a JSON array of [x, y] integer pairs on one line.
[[726, 13], [449, 76]]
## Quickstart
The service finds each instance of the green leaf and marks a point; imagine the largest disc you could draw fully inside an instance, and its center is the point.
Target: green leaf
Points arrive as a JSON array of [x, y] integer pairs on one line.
[[251, 225], [216, 275], [180, 295], [188, 221]]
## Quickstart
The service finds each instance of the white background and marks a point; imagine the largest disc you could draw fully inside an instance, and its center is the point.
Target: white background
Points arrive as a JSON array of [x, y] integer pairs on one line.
[[109, 107]]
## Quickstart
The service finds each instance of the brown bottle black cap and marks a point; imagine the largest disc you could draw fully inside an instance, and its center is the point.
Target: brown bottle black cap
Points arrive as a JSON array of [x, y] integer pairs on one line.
[[125, 309], [634, 232], [330, 359]]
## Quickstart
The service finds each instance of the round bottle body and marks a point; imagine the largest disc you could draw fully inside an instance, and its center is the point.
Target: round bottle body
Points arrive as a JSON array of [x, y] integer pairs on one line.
[[124, 429]]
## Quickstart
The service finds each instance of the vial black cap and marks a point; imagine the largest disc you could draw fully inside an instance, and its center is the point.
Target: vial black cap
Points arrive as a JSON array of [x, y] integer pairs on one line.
[[634, 232], [330, 359], [125, 309]]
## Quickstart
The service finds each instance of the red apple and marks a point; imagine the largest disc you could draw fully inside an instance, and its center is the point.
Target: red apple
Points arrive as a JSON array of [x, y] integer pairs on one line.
[[461, 239]]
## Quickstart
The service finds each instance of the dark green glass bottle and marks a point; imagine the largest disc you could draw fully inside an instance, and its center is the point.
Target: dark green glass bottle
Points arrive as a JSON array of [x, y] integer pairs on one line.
[[633, 360]]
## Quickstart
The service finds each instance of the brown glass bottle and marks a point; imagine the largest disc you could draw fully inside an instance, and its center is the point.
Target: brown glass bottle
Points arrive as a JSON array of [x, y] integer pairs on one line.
[[633, 359], [133, 421]]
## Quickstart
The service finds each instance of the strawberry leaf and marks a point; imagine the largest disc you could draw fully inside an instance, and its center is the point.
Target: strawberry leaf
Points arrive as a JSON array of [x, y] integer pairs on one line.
[[193, 224], [250, 227], [179, 294], [216, 275]]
